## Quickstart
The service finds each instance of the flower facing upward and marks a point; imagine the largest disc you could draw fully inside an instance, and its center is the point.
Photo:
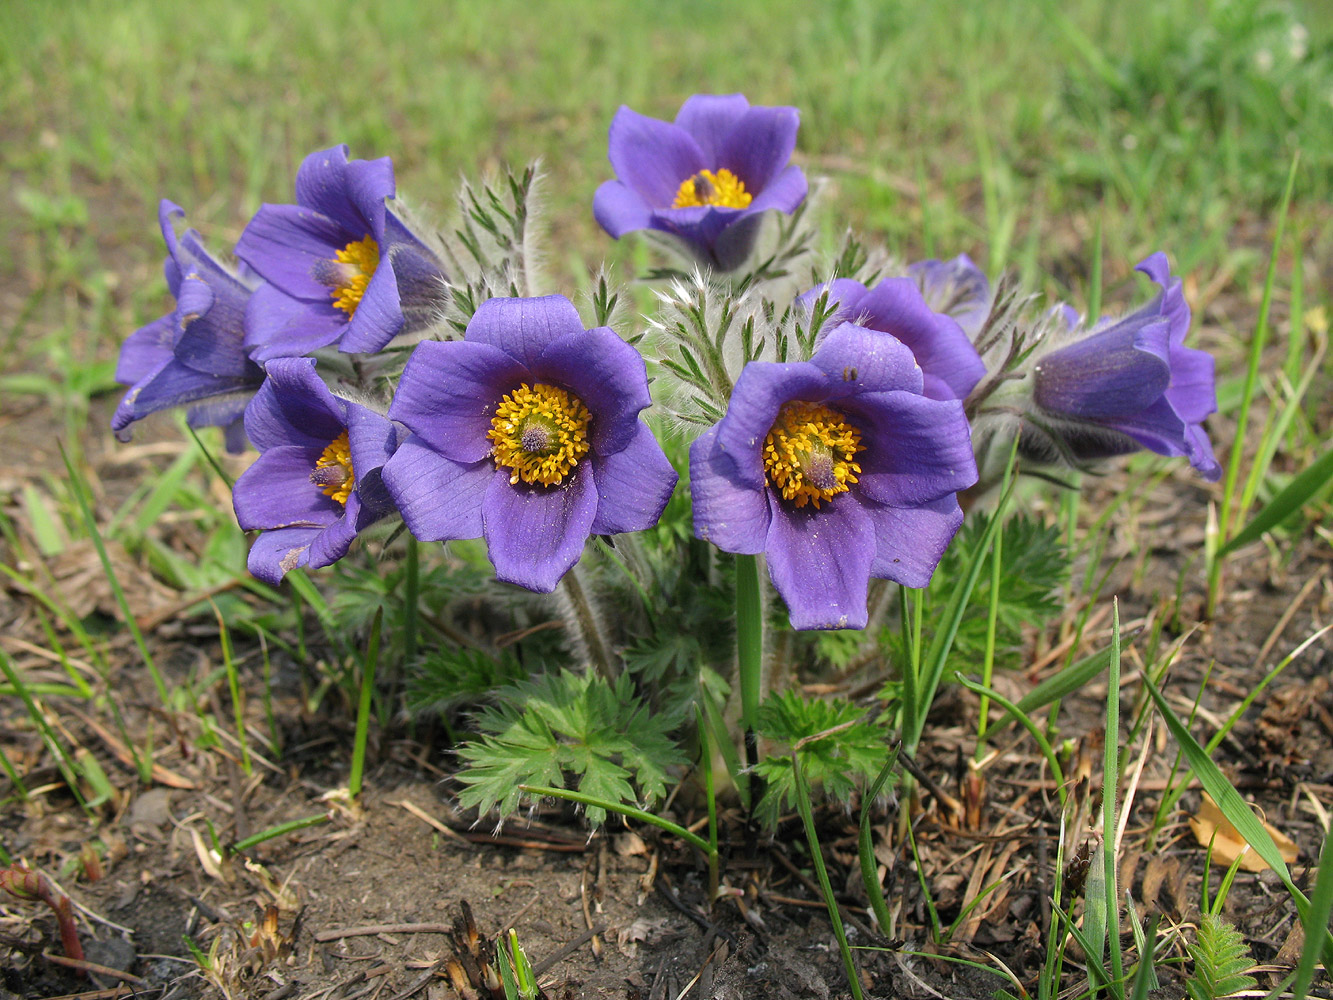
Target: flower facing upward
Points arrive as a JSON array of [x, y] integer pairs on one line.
[[341, 268], [527, 432], [838, 469], [949, 363], [315, 485], [193, 356], [1129, 383], [704, 179]]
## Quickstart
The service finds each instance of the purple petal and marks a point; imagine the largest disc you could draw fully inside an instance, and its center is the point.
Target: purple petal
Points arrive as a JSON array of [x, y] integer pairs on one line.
[[1171, 302], [733, 516], [523, 328], [289, 245], [710, 118], [916, 449], [294, 407], [378, 317], [858, 360], [276, 492], [1200, 452], [785, 192], [619, 209], [844, 295], [758, 395], [534, 534], [653, 157], [759, 145], [212, 328], [145, 350], [950, 364], [633, 485], [1108, 376], [1193, 389], [607, 374], [910, 541], [351, 193], [820, 562], [172, 384], [274, 554], [957, 288], [279, 326], [448, 394], [333, 542], [439, 499], [701, 226], [371, 439]]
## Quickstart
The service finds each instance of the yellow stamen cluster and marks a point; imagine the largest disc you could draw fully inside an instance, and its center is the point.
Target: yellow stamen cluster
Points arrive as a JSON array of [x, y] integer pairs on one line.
[[540, 432], [361, 257], [809, 452], [707, 188], [337, 458]]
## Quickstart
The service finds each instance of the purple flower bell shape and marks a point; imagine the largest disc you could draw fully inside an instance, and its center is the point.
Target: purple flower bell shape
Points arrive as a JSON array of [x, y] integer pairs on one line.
[[194, 355], [315, 485], [340, 267], [838, 469], [1129, 383], [704, 179], [949, 363], [527, 432], [957, 288]]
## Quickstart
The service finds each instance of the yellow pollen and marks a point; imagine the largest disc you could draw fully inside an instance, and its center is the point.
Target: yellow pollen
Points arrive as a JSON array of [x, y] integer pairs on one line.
[[540, 432], [361, 258], [707, 188], [337, 458], [809, 452]]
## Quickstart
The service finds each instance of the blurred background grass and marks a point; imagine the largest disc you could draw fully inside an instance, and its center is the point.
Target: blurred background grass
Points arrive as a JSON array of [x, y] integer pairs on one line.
[[1010, 131]]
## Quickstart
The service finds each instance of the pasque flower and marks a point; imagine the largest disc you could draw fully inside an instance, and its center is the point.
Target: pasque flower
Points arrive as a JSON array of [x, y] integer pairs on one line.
[[527, 432], [839, 470], [315, 485], [705, 178], [957, 288], [895, 306], [193, 356], [1129, 383], [341, 268]]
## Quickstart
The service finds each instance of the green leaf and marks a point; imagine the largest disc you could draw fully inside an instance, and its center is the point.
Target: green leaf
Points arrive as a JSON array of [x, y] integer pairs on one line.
[[1220, 961], [1295, 496]]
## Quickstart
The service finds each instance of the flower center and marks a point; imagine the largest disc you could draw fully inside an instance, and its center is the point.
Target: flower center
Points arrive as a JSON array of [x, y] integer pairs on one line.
[[539, 432], [333, 470], [723, 188], [809, 452], [359, 260]]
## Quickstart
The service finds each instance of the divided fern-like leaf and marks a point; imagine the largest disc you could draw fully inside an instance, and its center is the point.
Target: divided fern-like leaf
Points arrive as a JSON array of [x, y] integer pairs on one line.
[[573, 728], [1220, 961]]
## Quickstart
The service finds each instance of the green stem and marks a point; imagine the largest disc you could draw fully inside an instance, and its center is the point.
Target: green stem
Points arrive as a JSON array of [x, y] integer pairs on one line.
[[363, 709], [599, 654], [411, 586], [710, 793], [624, 810], [749, 644], [992, 620]]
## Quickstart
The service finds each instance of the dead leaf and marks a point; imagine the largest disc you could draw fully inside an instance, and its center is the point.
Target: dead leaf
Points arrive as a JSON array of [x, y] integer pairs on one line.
[[1210, 826]]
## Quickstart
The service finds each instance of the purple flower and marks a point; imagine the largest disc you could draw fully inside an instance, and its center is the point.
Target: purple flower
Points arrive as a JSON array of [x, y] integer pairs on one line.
[[315, 485], [838, 469], [949, 362], [957, 288], [1131, 383], [527, 432], [193, 355], [340, 267], [704, 179]]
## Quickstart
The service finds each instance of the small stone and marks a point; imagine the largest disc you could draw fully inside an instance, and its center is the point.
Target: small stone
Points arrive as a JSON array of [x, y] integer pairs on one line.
[[152, 808]]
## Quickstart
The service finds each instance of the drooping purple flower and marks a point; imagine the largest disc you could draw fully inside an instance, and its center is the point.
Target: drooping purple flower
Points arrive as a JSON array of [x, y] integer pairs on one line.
[[527, 432], [949, 363], [340, 267], [839, 470], [194, 355], [1130, 383], [704, 179], [315, 485], [957, 288]]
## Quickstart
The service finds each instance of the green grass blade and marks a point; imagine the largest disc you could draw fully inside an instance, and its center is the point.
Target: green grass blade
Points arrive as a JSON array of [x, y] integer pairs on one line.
[[280, 830], [1295, 496], [1321, 906], [866, 847], [1019, 715], [1110, 786], [363, 706]]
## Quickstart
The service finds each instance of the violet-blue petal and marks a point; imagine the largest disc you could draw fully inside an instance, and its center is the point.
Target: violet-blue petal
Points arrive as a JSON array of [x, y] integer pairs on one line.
[[1109, 375], [279, 326], [844, 295], [534, 534], [633, 485], [619, 209], [172, 384], [523, 328], [294, 407], [759, 145], [1193, 389], [755, 401], [379, 315], [957, 288], [448, 394], [333, 542], [858, 360], [732, 515], [910, 541], [710, 119], [785, 192], [915, 449], [441, 500], [276, 492], [820, 561], [371, 438], [607, 374], [145, 350], [274, 554], [351, 193], [950, 364], [653, 157], [290, 245]]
